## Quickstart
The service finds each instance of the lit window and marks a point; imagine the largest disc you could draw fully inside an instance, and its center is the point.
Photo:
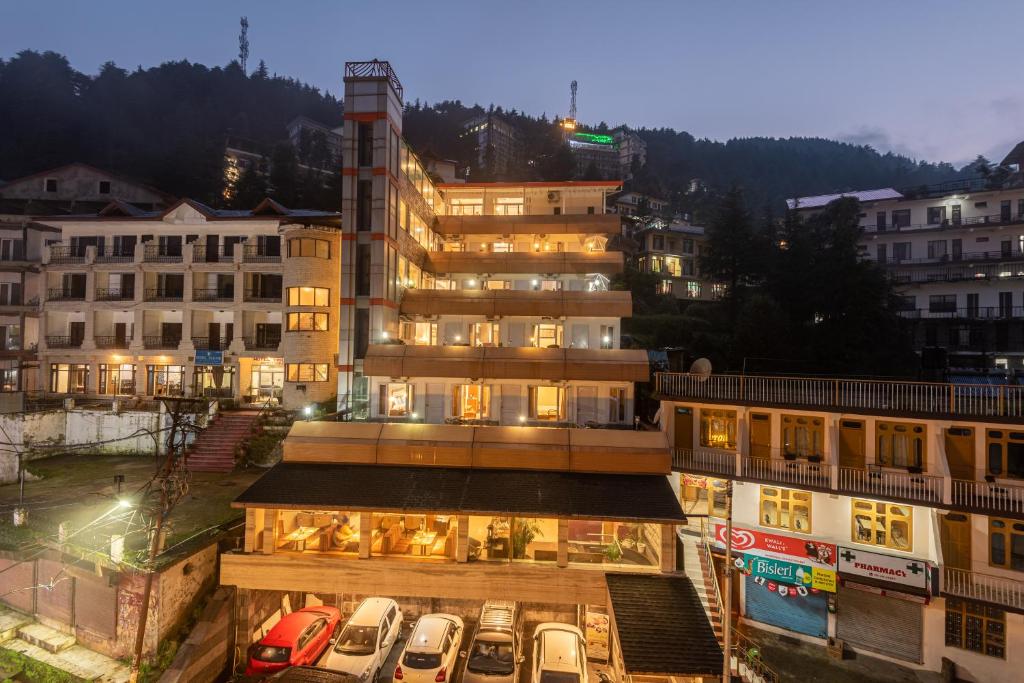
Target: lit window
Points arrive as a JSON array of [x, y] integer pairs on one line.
[[693, 289], [461, 206], [307, 372], [900, 444], [802, 436], [883, 524], [307, 322], [484, 334], [419, 334], [547, 335], [309, 296], [786, 509], [672, 266], [508, 206], [471, 401], [547, 403], [502, 247], [1006, 543], [117, 379], [976, 627], [69, 379], [664, 287], [307, 246], [718, 429], [165, 380], [497, 284], [395, 400]]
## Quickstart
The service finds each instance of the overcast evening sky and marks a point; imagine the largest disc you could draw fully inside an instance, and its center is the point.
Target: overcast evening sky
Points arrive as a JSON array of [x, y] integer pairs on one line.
[[934, 79]]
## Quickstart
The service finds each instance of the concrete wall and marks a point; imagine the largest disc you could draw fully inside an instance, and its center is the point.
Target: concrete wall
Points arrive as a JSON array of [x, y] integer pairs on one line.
[[209, 648]]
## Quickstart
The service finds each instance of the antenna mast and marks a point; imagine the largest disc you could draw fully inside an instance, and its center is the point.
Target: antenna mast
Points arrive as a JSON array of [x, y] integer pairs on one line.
[[572, 100]]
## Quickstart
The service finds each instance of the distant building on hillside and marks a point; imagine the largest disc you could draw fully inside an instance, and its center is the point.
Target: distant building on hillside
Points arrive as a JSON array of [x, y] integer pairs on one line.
[[498, 145], [74, 188], [612, 154], [672, 251], [637, 204]]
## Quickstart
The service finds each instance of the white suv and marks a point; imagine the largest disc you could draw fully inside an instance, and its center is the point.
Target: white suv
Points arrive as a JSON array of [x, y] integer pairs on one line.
[[367, 639], [559, 654], [432, 650]]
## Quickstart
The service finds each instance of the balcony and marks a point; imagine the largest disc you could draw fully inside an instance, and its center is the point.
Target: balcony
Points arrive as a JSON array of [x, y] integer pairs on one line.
[[259, 297], [211, 343], [546, 224], [60, 294], [156, 342], [968, 257], [976, 313], [163, 294], [957, 273], [63, 254], [155, 253], [995, 219], [111, 342], [507, 302], [996, 590], [990, 496], [571, 262], [203, 254], [115, 294], [115, 255], [254, 253], [213, 294], [847, 395], [261, 343], [63, 342]]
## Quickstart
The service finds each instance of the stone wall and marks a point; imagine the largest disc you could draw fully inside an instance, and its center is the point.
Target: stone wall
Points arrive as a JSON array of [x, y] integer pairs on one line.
[[208, 651]]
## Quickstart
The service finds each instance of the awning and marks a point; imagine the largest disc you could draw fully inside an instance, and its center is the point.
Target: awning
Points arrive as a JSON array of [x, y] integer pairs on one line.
[[506, 362], [510, 302], [444, 490], [661, 626]]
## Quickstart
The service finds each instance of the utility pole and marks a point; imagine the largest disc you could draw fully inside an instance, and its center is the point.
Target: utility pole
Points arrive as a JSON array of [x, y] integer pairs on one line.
[[243, 43], [727, 617]]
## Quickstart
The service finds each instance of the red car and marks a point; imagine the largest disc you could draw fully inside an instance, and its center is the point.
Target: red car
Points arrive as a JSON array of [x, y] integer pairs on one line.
[[297, 640]]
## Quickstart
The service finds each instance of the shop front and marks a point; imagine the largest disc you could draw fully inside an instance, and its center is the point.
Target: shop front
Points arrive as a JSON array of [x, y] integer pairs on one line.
[[882, 596], [266, 380], [213, 381]]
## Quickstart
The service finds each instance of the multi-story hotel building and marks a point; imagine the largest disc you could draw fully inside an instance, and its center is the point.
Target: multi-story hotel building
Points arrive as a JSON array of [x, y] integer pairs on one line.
[[672, 251], [191, 301], [497, 143], [955, 252], [888, 515]]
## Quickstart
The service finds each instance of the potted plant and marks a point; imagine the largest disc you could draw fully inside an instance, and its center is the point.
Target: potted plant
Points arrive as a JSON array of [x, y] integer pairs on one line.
[[613, 551], [638, 538], [523, 532]]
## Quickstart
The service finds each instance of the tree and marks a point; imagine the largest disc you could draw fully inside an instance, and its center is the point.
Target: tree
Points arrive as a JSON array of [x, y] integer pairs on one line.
[[284, 174], [249, 190], [734, 251]]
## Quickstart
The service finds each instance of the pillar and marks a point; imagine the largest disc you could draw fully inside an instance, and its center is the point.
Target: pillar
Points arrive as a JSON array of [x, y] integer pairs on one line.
[[269, 524], [462, 541], [563, 543], [668, 548], [365, 534]]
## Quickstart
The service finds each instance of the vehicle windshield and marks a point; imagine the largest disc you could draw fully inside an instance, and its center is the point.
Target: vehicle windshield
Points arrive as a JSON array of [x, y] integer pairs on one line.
[[422, 660], [491, 658], [559, 677], [357, 640], [269, 653]]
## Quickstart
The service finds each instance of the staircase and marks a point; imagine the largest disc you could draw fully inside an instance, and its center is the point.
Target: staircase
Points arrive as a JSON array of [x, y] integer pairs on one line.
[[701, 575], [215, 448], [20, 633]]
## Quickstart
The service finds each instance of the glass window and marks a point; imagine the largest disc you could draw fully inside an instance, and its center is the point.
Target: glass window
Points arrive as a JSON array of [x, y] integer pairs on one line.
[[395, 399], [616, 404], [165, 380], [419, 334], [786, 509], [466, 206], [883, 524], [1006, 543], [471, 401], [307, 372], [693, 289], [803, 436], [619, 543], [213, 381], [1004, 454], [547, 336], [307, 246], [484, 334], [309, 296], [117, 379], [507, 539], [976, 627], [900, 444], [718, 429], [547, 403], [307, 322], [68, 378], [414, 535]]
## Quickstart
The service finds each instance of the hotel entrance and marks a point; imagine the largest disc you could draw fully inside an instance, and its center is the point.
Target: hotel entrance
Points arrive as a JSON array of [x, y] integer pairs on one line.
[[266, 380]]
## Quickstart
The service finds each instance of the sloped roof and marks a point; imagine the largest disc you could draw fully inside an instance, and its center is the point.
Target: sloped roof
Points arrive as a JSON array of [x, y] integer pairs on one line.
[[1016, 156], [818, 201]]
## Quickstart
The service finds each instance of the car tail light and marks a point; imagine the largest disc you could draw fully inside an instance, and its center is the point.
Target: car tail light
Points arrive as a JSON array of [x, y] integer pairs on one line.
[[398, 672], [441, 675]]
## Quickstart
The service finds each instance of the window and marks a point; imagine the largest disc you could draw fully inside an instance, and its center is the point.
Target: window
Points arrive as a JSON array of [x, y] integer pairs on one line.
[[165, 380], [484, 334], [365, 144], [547, 335], [693, 289], [1006, 543], [672, 266], [936, 215], [309, 296], [900, 445], [621, 543], [883, 524], [802, 436], [937, 249], [104, 187], [607, 336], [718, 290], [976, 627], [718, 429], [901, 218], [461, 206], [687, 246], [364, 205], [419, 334], [362, 270], [471, 401], [307, 246], [395, 400], [307, 322], [307, 372], [658, 243], [786, 509], [69, 379], [508, 206], [50, 185], [117, 379], [547, 403], [497, 284], [942, 303], [616, 405], [1005, 452]]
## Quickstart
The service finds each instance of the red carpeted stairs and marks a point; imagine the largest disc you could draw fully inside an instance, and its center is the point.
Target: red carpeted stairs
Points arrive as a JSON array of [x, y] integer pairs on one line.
[[215, 448]]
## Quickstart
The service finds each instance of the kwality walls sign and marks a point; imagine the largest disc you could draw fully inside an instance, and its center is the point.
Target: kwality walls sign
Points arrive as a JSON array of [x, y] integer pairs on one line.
[[786, 548], [902, 570]]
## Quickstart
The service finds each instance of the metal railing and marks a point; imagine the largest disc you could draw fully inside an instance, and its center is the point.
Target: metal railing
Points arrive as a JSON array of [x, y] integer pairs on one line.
[[60, 294], [201, 253], [262, 297], [848, 394], [955, 273], [115, 294], [254, 253], [159, 342], [994, 589], [63, 342], [976, 313], [111, 342], [374, 69], [988, 219], [261, 343], [66, 254], [112, 255], [888, 484], [749, 666], [158, 294], [154, 253], [211, 343], [990, 496], [213, 294], [1000, 255], [795, 472], [704, 460]]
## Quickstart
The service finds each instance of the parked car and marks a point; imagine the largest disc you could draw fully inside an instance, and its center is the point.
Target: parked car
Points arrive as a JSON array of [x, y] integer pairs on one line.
[[367, 639], [311, 674], [559, 654], [432, 650], [496, 650], [298, 639]]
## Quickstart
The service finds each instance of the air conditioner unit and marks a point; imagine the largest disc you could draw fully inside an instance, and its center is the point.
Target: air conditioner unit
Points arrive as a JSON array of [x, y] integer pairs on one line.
[[554, 196]]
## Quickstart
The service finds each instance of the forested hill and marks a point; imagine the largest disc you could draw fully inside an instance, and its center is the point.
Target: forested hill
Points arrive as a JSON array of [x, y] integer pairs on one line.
[[167, 126]]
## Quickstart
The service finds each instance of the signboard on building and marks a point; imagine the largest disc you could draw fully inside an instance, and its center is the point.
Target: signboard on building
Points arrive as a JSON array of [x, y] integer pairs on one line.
[[209, 357], [787, 548], [902, 570], [790, 573]]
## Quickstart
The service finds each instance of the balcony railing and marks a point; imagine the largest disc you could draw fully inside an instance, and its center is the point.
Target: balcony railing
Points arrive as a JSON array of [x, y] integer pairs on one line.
[[115, 294], [159, 342], [111, 342], [957, 273], [967, 257], [989, 219], [63, 342], [211, 343], [213, 295], [154, 253], [847, 394], [985, 587], [158, 294], [66, 254], [889, 484], [257, 296], [794, 472], [261, 343], [112, 255], [253, 253], [204, 254], [976, 313], [60, 294], [704, 461], [989, 496]]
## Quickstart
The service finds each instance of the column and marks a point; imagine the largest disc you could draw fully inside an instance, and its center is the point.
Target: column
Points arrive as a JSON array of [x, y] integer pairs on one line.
[[668, 548], [462, 541], [563, 543], [365, 534], [269, 522]]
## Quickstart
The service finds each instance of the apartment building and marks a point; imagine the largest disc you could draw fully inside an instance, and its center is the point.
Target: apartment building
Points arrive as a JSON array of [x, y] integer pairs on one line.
[[497, 143], [672, 251], [191, 301], [638, 204], [889, 515], [954, 251]]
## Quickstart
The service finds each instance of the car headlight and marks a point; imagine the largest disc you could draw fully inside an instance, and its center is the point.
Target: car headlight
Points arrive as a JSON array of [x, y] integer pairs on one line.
[[366, 672]]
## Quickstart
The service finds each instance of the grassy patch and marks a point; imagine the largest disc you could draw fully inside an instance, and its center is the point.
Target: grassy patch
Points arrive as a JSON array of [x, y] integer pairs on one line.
[[261, 446], [14, 663]]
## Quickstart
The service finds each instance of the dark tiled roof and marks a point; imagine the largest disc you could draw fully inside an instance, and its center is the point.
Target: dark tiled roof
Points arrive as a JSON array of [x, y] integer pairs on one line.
[[662, 626], [465, 490]]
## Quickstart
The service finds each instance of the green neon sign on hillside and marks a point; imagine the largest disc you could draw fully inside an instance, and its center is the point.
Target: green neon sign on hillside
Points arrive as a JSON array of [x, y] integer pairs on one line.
[[594, 138]]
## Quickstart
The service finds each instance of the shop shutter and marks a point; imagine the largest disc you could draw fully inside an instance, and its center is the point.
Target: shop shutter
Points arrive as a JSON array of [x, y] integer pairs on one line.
[[16, 581], [96, 605], [885, 625], [55, 602]]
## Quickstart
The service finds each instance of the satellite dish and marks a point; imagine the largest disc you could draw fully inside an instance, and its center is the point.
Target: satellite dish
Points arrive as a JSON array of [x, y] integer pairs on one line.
[[701, 369]]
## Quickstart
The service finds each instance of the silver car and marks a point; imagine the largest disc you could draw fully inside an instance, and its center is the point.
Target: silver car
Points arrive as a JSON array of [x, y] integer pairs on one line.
[[496, 650]]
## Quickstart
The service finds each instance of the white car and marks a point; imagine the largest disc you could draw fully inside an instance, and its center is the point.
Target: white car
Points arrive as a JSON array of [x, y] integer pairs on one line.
[[559, 654], [366, 640], [432, 650]]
